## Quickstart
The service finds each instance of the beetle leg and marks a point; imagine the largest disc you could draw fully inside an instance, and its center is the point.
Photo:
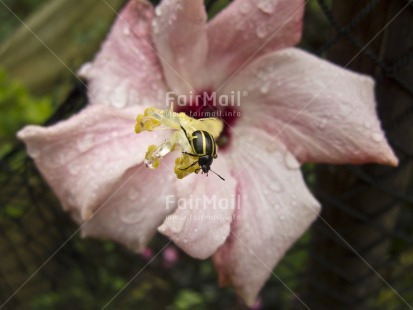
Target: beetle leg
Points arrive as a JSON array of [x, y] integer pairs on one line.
[[186, 135], [189, 166], [191, 154]]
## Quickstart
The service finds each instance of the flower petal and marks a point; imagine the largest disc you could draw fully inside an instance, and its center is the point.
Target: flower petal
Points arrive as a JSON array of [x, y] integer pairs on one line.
[[180, 37], [205, 205], [84, 157], [126, 71], [275, 208], [247, 29], [132, 214], [322, 112]]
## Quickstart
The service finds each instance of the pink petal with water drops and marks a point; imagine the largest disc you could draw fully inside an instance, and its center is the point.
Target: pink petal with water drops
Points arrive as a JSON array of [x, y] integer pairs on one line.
[[275, 209], [247, 29], [322, 112], [180, 37], [135, 208], [126, 71], [83, 158], [205, 205]]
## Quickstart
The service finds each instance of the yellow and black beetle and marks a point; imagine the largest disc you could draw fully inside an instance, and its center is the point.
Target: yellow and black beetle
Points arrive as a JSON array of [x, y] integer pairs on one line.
[[204, 147]]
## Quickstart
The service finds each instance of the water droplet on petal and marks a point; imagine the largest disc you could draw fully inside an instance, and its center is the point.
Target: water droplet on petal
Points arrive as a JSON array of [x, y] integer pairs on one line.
[[185, 240], [265, 88], [155, 26], [85, 142], [158, 11], [126, 31], [241, 26], [377, 137], [33, 152], [133, 193], [267, 6], [276, 187], [261, 31], [271, 147], [73, 169], [322, 124], [244, 8], [72, 201], [291, 162], [131, 216], [367, 125]]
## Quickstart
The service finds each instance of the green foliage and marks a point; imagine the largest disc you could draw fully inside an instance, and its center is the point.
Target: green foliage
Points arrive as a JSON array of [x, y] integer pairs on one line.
[[188, 299], [217, 7], [18, 108]]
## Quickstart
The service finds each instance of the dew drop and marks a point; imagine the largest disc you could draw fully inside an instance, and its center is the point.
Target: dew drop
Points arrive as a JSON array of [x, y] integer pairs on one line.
[[241, 26], [291, 162], [271, 147], [377, 137], [367, 125], [158, 11], [133, 193], [276, 187], [73, 170], [322, 124], [261, 31], [126, 31], [71, 201], [155, 26], [185, 240], [265, 88], [131, 216], [244, 8], [267, 6], [33, 152], [85, 143]]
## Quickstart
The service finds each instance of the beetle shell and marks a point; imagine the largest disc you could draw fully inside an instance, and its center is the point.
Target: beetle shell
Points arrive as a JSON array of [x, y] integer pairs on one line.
[[203, 143]]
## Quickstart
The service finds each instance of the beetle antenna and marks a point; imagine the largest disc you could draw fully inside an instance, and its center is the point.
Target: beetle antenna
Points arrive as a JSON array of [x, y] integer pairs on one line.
[[217, 175]]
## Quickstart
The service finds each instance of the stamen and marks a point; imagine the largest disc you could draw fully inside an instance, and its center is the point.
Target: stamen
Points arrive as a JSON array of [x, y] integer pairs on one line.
[[153, 119]]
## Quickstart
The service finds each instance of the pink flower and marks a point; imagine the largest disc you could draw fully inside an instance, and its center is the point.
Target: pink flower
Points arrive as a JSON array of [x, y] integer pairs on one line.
[[298, 109]]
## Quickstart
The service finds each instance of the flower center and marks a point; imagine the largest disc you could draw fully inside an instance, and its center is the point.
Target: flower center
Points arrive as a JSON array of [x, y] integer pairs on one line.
[[206, 104]]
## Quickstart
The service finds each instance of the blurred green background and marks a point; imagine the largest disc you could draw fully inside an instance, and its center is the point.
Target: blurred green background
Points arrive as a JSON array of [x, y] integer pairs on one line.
[[89, 273]]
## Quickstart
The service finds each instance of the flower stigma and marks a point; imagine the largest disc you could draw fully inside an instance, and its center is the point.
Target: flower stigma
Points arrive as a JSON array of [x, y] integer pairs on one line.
[[157, 119]]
